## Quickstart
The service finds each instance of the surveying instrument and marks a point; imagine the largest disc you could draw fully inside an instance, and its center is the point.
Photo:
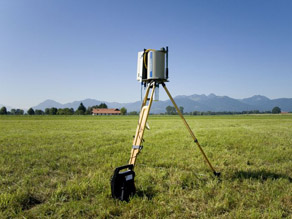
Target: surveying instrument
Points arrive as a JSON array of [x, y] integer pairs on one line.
[[152, 71]]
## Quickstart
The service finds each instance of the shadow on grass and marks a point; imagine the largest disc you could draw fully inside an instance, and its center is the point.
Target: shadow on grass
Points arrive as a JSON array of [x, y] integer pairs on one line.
[[262, 175], [29, 202], [149, 193]]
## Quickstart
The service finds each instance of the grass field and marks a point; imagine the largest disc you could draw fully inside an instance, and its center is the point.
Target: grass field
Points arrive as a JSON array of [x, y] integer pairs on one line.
[[54, 166]]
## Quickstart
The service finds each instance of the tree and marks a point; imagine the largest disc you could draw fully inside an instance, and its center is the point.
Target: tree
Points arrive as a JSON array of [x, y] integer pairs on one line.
[[13, 111], [170, 110], [18, 112], [133, 113], [88, 111], [103, 105], [123, 111], [196, 113], [79, 112], [47, 111], [60, 111], [30, 111], [53, 111], [3, 111], [65, 111], [81, 109], [39, 112], [68, 111], [71, 111], [181, 109], [276, 110]]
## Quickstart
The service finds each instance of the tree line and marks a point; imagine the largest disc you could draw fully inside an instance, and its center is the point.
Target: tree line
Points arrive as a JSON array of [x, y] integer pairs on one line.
[[82, 110], [170, 110]]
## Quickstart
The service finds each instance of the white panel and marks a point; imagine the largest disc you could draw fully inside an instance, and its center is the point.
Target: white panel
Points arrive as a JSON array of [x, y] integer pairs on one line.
[[140, 66]]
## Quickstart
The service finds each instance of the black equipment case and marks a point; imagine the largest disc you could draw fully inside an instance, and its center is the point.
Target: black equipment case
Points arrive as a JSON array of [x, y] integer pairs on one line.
[[122, 183]]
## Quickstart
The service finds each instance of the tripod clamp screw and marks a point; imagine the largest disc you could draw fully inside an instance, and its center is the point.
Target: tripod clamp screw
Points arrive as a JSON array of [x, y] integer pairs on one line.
[[140, 147]]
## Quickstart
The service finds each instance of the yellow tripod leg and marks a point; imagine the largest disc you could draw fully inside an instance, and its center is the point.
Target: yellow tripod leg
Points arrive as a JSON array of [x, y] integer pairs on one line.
[[190, 131], [137, 142]]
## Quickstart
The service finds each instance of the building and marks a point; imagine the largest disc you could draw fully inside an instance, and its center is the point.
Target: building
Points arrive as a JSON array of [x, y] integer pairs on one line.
[[103, 111]]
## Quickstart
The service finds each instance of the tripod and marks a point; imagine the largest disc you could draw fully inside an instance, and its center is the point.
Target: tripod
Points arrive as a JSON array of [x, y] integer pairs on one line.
[[145, 109]]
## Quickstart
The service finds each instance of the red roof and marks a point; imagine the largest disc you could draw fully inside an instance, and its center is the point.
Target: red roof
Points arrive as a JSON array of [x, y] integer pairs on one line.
[[105, 111]]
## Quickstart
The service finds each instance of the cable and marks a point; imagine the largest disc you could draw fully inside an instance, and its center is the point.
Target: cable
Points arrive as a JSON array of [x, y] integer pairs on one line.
[[144, 56]]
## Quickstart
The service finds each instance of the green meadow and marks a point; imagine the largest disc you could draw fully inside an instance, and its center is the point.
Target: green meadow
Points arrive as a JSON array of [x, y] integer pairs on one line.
[[60, 167]]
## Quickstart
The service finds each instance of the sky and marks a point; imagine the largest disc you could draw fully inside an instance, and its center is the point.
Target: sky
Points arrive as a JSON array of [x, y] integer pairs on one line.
[[72, 50]]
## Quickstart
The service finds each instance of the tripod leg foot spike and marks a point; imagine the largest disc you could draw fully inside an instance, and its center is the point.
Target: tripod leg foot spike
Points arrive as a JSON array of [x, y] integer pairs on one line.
[[217, 173]]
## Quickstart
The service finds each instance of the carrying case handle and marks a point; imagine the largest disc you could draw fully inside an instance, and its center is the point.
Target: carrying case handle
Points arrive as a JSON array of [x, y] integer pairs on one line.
[[129, 166]]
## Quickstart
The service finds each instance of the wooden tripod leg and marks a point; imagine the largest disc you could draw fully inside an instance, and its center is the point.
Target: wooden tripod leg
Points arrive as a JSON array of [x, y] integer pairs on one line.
[[146, 96], [190, 131], [137, 142]]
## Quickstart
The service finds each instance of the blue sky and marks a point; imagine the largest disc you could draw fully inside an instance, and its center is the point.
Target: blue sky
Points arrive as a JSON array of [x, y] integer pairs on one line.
[[72, 50]]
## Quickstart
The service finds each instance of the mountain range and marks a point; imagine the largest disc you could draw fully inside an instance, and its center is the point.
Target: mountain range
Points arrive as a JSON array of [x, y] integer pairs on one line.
[[190, 103]]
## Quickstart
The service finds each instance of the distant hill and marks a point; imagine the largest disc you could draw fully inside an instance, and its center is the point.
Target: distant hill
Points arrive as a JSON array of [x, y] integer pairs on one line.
[[263, 103], [190, 103], [49, 104]]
